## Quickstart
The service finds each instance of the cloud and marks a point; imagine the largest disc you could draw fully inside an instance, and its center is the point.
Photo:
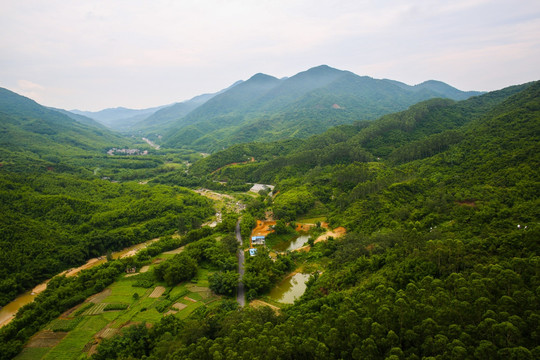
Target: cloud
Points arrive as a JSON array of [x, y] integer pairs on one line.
[[30, 89], [95, 54]]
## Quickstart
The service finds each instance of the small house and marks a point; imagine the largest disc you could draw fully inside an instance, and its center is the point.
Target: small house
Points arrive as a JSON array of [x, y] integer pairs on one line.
[[257, 240]]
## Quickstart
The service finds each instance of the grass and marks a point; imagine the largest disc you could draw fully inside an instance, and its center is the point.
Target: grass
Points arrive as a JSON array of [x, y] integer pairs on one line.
[[32, 353], [194, 296], [71, 346], [91, 318], [202, 277], [178, 291], [122, 292], [311, 220], [96, 309], [64, 324], [191, 306]]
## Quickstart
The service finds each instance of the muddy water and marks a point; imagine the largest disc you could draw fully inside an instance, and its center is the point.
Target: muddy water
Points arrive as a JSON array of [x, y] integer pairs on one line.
[[290, 289], [293, 244], [8, 312]]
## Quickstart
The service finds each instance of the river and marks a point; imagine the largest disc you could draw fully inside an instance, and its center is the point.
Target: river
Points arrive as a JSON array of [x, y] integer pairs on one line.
[[7, 313]]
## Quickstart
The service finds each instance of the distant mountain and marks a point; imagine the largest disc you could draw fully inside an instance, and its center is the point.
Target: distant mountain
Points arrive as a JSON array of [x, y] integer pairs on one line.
[[163, 118], [119, 118], [438, 87], [31, 132], [80, 118], [265, 108]]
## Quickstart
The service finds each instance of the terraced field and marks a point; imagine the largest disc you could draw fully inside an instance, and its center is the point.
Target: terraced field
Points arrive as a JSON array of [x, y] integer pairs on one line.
[[80, 329]]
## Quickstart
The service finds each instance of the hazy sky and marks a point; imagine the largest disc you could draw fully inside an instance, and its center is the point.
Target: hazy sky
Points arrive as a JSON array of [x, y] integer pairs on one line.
[[96, 54]]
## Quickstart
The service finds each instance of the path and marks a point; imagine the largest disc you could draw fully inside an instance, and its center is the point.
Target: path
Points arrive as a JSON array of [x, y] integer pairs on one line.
[[240, 293], [151, 143]]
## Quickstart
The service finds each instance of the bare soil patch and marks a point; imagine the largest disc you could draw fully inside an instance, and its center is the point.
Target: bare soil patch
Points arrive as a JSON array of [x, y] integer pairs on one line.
[[336, 233], [260, 303], [106, 333], [179, 306], [158, 291], [190, 299], [170, 312], [175, 251], [203, 291], [46, 338], [304, 227], [68, 313], [263, 228], [99, 297], [145, 268]]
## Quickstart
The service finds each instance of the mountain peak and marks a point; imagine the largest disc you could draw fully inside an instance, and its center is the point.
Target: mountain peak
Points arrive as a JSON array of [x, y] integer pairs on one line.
[[260, 77], [322, 69]]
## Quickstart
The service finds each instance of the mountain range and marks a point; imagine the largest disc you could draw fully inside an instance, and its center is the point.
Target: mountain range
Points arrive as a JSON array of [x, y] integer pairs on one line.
[[265, 108]]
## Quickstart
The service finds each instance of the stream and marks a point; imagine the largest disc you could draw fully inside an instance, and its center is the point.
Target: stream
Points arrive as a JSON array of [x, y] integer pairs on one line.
[[7, 313]]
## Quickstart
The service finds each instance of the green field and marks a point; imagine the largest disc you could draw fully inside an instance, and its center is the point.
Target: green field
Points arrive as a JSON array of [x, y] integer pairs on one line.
[[87, 327]]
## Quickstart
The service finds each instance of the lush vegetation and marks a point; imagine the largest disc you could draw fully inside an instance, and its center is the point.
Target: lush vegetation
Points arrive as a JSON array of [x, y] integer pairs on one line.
[[264, 108], [57, 211], [441, 260]]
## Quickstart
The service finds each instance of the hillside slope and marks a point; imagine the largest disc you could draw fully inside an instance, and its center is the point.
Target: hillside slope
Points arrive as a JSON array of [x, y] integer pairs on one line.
[[264, 108], [441, 257]]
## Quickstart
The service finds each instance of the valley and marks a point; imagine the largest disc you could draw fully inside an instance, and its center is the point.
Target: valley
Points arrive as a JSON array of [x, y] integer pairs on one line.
[[401, 232]]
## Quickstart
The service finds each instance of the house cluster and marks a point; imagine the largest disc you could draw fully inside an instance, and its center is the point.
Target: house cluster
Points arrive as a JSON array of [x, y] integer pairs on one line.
[[131, 270], [116, 151]]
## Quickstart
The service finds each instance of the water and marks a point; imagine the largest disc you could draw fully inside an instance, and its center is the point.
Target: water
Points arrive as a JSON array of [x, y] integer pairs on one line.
[[290, 289], [7, 312], [293, 244]]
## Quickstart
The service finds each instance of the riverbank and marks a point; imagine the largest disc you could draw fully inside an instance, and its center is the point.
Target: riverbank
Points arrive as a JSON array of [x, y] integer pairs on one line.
[[8, 312]]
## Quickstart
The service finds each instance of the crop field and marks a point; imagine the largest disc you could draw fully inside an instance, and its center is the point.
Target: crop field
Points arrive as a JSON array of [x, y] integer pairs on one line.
[[95, 310], [158, 291], [78, 331], [32, 353]]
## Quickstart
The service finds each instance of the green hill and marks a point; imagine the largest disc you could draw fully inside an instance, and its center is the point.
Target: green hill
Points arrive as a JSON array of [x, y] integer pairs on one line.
[[56, 210], [264, 108], [441, 256]]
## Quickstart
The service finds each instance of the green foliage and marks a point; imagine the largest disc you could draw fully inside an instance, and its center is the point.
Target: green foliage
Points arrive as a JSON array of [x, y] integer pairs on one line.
[[116, 306], [261, 272], [224, 283], [289, 204], [180, 268], [55, 221]]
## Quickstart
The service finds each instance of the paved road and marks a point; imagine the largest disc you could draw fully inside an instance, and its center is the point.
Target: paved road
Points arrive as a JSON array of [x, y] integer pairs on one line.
[[240, 293]]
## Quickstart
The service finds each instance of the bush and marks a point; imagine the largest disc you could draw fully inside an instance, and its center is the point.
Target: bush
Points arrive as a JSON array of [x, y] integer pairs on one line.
[[117, 306]]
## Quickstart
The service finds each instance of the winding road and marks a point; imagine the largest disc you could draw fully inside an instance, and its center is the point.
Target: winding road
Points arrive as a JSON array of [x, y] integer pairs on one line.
[[240, 293]]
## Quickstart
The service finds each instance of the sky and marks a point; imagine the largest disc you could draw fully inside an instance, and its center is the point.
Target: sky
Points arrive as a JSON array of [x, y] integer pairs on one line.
[[91, 55]]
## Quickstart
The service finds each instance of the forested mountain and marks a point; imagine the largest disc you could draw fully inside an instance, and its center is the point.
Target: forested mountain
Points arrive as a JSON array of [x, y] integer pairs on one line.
[[30, 131], [264, 108], [57, 211], [161, 120], [81, 118], [441, 260], [120, 118]]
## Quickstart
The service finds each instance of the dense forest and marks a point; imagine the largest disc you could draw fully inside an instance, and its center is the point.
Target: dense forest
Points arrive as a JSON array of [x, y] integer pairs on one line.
[[440, 260], [59, 206]]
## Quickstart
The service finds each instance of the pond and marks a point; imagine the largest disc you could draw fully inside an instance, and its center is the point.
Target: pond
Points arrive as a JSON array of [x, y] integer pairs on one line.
[[293, 244], [290, 289]]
